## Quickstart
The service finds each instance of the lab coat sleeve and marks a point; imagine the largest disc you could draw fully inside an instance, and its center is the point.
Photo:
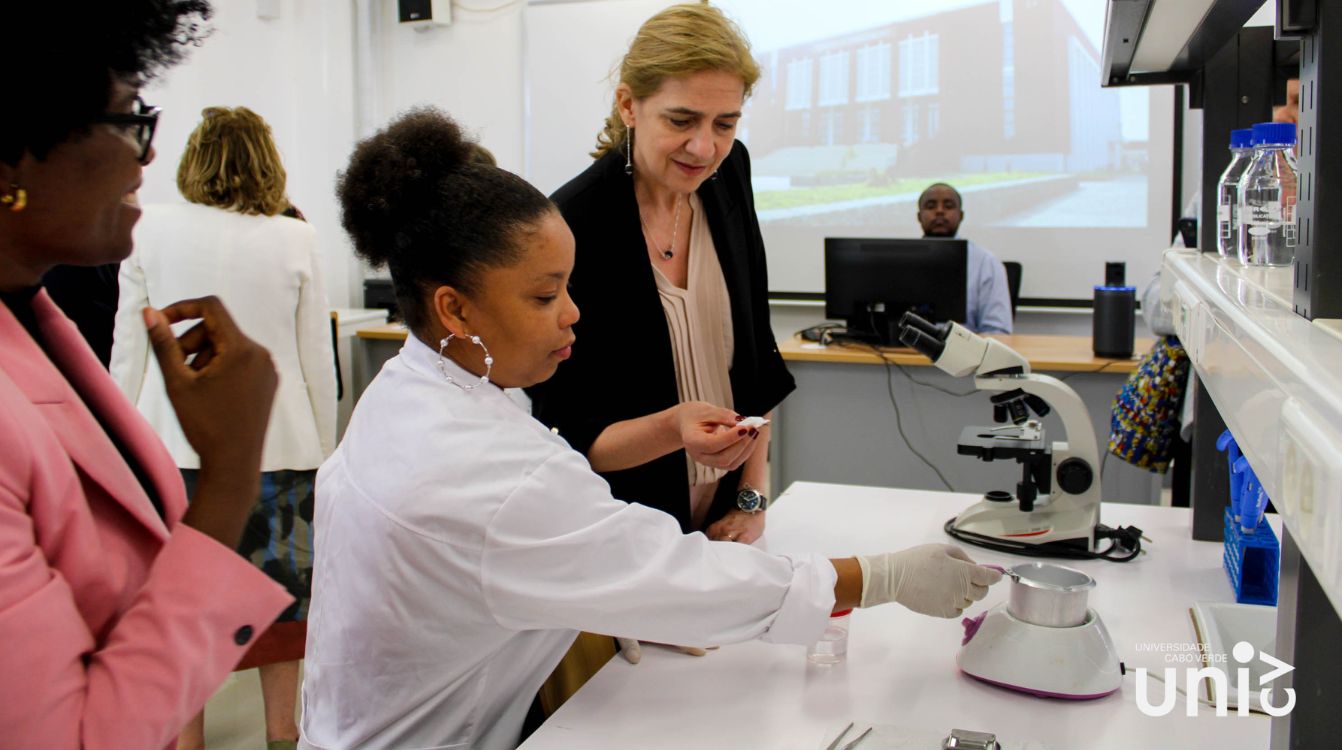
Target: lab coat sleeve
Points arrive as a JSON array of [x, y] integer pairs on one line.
[[315, 355], [562, 553], [994, 298], [130, 340]]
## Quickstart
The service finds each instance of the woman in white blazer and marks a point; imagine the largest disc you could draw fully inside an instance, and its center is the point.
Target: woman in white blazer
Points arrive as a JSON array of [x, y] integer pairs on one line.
[[463, 543], [233, 241]]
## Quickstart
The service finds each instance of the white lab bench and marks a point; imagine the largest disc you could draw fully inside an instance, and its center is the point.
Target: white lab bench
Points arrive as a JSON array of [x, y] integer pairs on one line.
[[900, 669]]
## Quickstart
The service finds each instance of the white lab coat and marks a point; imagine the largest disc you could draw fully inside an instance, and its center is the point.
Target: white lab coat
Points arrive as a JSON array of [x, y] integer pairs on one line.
[[266, 271], [461, 545]]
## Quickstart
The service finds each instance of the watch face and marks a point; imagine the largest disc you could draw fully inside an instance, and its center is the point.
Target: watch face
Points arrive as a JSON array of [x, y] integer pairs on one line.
[[749, 500]]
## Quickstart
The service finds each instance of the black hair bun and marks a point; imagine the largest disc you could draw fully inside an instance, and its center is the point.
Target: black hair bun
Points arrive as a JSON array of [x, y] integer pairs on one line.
[[418, 198], [398, 178]]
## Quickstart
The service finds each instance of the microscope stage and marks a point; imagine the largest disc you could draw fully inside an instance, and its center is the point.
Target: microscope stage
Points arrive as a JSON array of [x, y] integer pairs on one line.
[[1003, 442]]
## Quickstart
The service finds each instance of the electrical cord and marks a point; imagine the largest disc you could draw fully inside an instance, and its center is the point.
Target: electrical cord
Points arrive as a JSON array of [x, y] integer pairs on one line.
[[822, 333], [899, 422], [827, 334], [1126, 544], [1127, 540], [933, 386], [1074, 373]]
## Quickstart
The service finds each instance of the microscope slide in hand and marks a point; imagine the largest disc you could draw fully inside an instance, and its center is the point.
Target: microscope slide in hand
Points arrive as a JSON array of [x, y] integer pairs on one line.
[[755, 422]]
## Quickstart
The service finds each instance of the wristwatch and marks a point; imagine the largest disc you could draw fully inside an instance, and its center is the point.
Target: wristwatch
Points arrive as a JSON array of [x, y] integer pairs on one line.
[[751, 500]]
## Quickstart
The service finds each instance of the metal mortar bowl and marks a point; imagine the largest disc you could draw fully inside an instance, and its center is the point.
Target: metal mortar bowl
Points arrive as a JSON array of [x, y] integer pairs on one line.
[[1050, 595]]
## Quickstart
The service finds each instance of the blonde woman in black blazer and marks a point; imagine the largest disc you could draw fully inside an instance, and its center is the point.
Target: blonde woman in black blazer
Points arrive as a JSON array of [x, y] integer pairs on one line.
[[622, 366], [674, 344]]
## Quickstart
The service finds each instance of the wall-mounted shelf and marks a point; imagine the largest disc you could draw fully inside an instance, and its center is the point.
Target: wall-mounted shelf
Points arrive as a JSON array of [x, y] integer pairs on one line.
[[1276, 379], [1167, 41]]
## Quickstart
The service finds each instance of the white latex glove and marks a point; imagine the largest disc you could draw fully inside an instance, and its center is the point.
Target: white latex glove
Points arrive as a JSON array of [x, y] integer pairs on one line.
[[933, 579], [632, 650]]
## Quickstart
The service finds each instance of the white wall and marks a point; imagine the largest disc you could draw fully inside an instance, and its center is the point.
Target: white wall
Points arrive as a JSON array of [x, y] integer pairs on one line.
[[590, 38], [300, 71], [472, 69], [296, 71]]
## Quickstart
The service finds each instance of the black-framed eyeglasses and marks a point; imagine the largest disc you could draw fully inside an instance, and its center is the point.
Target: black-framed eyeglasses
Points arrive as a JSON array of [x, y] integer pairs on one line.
[[141, 124]]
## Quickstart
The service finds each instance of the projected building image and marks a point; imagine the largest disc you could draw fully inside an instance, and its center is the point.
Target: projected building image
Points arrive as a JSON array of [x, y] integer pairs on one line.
[[1000, 97]]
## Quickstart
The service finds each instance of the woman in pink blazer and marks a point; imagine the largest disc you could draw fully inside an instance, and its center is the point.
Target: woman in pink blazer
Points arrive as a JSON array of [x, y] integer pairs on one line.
[[121, 610]]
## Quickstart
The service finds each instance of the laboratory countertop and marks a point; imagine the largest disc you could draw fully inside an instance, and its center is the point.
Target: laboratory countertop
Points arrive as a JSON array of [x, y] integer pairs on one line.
[[900, 669], [1045, 353]]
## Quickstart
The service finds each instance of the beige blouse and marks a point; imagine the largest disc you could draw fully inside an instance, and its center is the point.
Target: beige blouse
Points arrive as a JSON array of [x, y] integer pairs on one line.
[[699, 318]]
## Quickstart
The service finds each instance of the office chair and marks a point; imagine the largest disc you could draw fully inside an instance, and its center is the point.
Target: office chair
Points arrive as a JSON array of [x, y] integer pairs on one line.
[[1013, 284]]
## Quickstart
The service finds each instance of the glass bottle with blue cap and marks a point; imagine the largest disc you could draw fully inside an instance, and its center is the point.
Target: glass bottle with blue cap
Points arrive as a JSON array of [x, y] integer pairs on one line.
[[1227, 190], [1267, 195]]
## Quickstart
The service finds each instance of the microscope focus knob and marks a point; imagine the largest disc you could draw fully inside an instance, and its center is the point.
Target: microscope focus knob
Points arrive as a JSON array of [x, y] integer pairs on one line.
[[1075, 476]]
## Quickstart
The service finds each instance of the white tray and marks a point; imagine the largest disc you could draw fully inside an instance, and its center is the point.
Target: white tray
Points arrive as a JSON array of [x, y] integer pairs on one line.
[[1218, 626]]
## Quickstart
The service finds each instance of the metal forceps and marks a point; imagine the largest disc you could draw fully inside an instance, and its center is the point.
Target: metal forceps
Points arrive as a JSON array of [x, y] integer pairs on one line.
[[835, 744]]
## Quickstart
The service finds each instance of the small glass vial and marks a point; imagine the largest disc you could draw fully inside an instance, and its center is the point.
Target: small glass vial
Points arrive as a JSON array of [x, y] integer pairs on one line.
[[833, 643]]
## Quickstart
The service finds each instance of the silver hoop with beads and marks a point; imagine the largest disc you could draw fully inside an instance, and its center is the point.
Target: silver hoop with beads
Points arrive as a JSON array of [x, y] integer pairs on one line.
[[442, 366]]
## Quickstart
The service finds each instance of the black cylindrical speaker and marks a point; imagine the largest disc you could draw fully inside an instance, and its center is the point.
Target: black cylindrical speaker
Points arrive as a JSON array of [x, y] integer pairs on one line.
[[1115, 318]]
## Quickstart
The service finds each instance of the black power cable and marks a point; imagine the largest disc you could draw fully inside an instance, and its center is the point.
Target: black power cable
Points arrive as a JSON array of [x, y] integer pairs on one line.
[[1125, 546], [899, 422]]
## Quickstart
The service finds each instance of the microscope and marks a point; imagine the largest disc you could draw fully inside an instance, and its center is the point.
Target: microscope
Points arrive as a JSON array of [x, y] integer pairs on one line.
[[1057, 500]]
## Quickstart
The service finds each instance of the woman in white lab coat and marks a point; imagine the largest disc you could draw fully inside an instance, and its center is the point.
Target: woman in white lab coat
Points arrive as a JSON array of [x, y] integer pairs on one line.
[[462, 543]]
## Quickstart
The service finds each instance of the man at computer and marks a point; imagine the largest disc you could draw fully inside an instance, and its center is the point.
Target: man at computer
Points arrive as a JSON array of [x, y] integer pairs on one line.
[[987, 301]]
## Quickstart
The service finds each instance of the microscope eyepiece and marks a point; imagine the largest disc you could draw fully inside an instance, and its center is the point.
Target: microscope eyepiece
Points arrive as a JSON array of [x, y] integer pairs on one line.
[[925, 344], [938, 331]]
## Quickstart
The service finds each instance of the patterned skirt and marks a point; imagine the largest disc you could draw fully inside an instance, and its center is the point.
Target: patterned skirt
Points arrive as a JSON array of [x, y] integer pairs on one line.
[[278, 536]]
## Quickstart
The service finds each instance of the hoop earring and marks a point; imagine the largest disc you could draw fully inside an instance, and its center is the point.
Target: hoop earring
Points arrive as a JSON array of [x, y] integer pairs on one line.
[[16, 198], [442, 367], [629, 153]]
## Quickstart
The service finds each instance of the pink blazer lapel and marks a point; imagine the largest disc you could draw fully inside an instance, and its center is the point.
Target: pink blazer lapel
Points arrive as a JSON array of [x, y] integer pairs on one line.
[[56, 391]]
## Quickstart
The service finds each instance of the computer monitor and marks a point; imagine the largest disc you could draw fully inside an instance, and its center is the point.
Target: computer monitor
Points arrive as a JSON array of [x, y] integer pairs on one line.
[[870, 283]]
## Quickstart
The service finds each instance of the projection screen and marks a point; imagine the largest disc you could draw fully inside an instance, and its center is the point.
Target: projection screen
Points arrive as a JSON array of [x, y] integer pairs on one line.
[[863, 103]]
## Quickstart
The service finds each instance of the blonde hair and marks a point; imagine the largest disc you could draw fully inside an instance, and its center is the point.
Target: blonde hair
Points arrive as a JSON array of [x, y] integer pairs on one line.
[[679, 41], [231, 162]]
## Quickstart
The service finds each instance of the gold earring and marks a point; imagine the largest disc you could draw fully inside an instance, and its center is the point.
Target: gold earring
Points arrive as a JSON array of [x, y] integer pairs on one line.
[[16, 198]]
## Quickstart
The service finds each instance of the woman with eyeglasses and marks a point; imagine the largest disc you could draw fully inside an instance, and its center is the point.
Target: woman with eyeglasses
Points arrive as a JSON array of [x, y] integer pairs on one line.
[[121, 609], [232, 238]]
